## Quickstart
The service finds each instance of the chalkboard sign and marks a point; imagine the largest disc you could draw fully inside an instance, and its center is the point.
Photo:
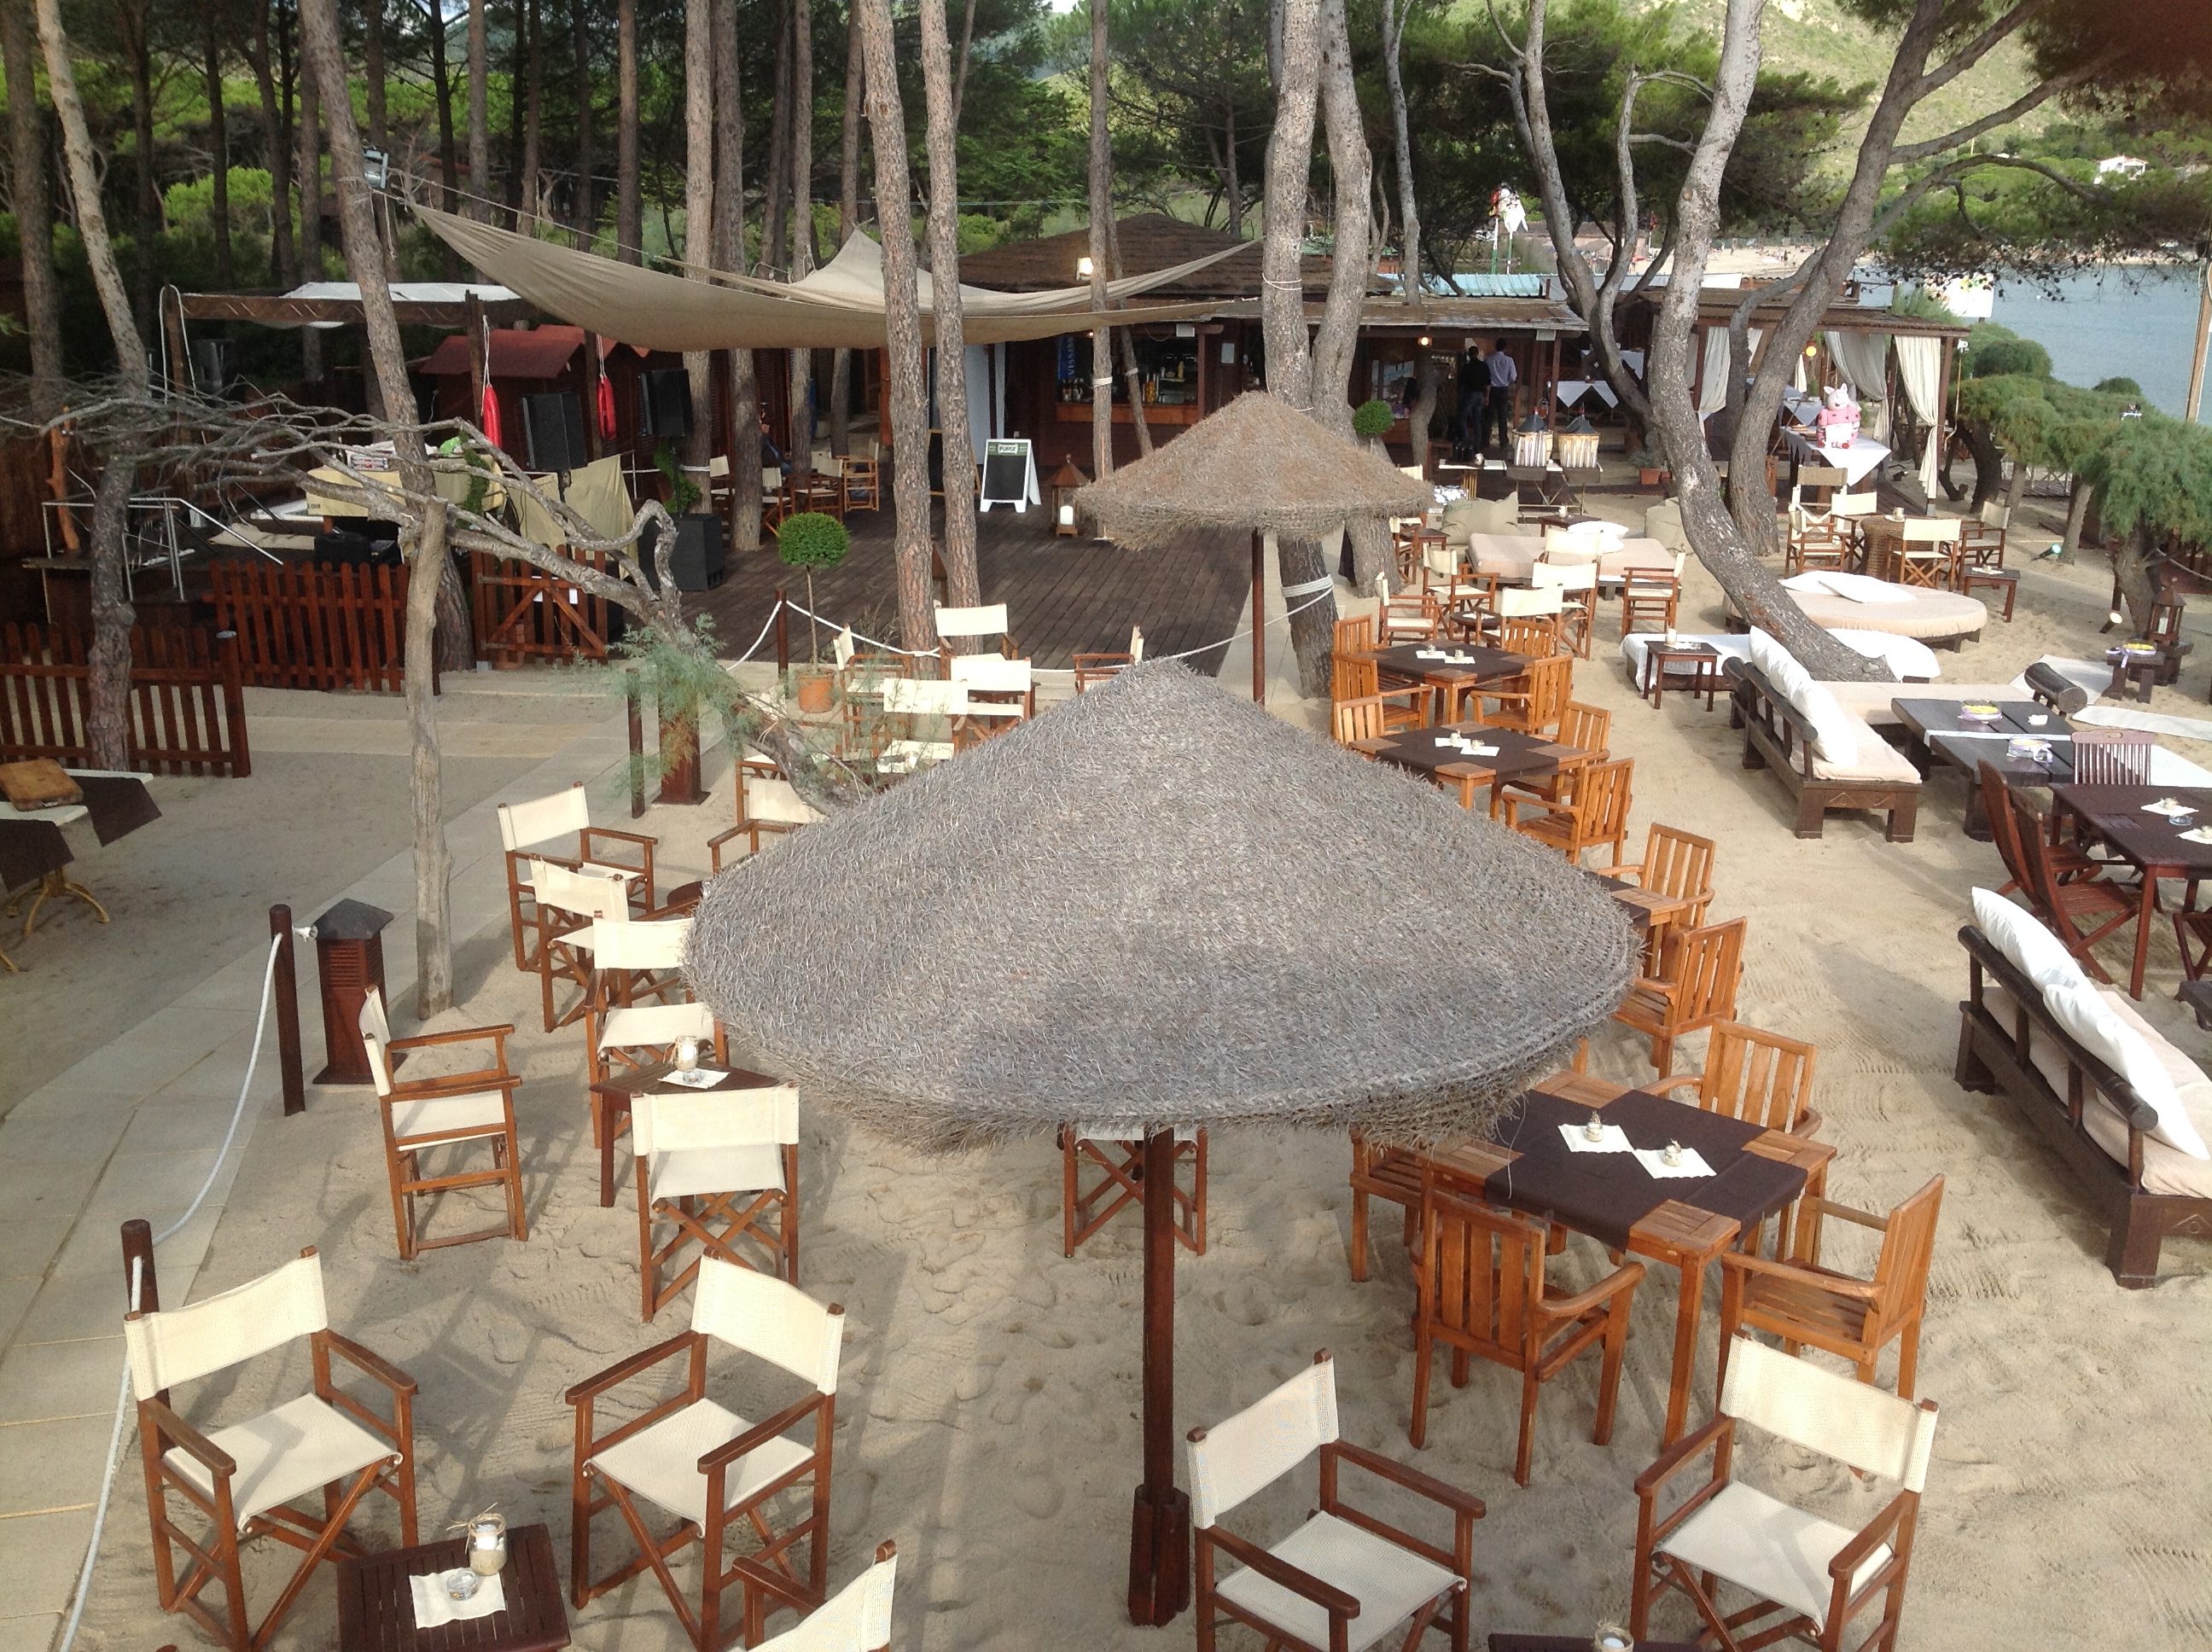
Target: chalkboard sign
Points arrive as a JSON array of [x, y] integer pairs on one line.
[[1010, 475]]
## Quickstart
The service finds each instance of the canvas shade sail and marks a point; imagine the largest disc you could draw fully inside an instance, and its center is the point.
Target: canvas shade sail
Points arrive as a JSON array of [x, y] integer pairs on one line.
[[844, 310]]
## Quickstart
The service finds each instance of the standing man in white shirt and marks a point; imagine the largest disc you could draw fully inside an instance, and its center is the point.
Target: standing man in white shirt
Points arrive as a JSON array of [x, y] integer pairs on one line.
[[1503, 376]]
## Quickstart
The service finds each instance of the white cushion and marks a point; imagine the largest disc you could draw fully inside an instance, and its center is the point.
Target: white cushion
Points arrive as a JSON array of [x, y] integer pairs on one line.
[[1860, 588], [1390, 1583], [662, 1463], [296, 1449], [2192, 1091], [2026, 945], [1835, 731], [2088, 1015], [479, 1113], [1765, 1545], [751, 1168]]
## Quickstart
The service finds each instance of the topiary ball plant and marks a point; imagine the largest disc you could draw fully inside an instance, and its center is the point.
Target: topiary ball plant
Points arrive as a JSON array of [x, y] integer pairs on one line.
[[1370, 419], [811, 540]]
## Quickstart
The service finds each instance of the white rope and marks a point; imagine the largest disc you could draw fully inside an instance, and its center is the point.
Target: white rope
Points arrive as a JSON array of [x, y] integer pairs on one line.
[[122, 1389], [759, 639]]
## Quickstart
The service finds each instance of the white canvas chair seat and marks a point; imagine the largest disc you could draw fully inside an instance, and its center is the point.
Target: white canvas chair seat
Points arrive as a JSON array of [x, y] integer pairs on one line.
[[301, 1447], [661, 1465], [925, 696], [628, 1026], [988, 674], [588, 868], [1778, 1552], [1390, 1583], [481, 1113], [987, 621], [755, 1168]]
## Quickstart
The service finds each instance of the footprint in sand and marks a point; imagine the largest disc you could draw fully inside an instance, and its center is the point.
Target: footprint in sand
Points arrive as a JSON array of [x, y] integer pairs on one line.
[[1036, 1491]]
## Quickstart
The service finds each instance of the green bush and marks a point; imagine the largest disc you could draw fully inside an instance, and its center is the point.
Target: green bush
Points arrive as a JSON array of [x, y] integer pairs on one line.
[[1370, 419], [2127, 387], [811, 540], [1997, 352]]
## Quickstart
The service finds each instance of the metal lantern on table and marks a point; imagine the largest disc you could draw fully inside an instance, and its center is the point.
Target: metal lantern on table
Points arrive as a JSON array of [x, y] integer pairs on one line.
[[1532, 444], [1578, 448]]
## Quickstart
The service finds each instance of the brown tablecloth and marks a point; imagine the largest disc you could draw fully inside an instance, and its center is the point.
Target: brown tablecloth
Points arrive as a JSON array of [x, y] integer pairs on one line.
[[29, 849], [1606, 1195]]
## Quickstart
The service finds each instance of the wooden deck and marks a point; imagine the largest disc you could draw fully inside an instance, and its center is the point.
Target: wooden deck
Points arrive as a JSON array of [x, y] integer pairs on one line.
[[1063, 596]]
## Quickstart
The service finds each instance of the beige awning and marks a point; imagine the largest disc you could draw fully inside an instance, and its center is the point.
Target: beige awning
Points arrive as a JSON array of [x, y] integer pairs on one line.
[[657, 311]]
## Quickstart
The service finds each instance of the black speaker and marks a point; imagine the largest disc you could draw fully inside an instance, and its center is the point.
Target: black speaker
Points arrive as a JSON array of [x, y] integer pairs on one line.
[[215, 366], [696, 561], [664, 403], [553, 433]]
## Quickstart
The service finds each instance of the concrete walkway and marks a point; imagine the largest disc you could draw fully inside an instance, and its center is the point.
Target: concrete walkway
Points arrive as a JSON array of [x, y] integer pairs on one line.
[[132, 1130]]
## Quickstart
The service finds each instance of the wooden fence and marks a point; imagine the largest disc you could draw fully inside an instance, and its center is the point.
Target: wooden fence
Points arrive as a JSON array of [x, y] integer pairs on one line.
[[302, 627], [187, 707], [523, 613]]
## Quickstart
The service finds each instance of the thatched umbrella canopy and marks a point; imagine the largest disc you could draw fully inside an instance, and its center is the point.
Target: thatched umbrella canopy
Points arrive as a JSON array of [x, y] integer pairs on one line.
[[1155, 906], [1259, 463]]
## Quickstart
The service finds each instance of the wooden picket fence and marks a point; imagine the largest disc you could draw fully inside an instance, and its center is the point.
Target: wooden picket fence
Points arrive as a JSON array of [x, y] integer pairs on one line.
[[523, 613], [303, 627], [187, 701]]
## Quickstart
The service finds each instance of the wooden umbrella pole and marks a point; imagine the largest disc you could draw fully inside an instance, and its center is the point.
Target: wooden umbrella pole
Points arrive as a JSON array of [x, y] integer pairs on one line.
[[1259, 617], [1159, 1532]]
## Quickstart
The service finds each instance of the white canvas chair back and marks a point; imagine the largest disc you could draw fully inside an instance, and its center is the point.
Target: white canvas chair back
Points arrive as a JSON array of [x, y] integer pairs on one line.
[[1263, 1442], [857, 1619], [770, 797], [651, 1025], [1516, 603], [771, 479], [1136, 645], [989, 674], [179, 1343], [841, 647], [521, 825], [1931, 531], [926, 696], [616, 945], [1852, 505], [1581, 577], [769, 1319], [672, 1123], [1994, 515], [582, 893], [1440, 559], [376, 1040], [1853, 1422], [989, 620]]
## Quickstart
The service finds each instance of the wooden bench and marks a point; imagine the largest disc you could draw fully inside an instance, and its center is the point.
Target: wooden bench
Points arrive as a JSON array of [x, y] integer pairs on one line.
[[1778, 737], [1995, 1057]]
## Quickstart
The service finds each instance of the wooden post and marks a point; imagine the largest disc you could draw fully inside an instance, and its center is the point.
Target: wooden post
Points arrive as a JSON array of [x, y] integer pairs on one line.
[[138, 1254], [594, 369], [1160, 1531], [286, 988], [634, 700], [782, 633], [1259, 617], [479, 356], [2192, 409], [233, 704]]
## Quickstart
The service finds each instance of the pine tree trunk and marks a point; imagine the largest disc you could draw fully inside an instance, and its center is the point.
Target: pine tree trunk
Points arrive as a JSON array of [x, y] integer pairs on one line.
[[34, 226], [310, 218], [1127, 340], [109, 684], [533, 126], [699, 227], [372, 49], [960, 70], [1424, 406], [146, 229], [1101, 218], [2077, 511], [218, 151], [963, 589], [480, 194], [587, 201], [730, 254], [629, 204], [776, 223], [802, 219], [848, 214], [904, 392], [1230, 182], [449, 159], [1354, 170], [1395, 15]]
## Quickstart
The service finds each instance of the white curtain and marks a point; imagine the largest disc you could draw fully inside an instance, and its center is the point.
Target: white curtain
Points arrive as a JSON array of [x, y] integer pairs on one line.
[[1920, 370], [1862, 357], [982, 424], [1712, 393]]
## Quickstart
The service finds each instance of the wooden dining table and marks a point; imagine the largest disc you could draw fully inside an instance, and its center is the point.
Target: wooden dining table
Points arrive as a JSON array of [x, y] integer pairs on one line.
[[1527, 1167], [1451, 674], [1501, 756], [1937, 729], [2153, 846]]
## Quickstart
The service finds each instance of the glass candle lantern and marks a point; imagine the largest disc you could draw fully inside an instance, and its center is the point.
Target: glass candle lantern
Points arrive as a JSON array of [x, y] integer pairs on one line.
[[487, 1544]]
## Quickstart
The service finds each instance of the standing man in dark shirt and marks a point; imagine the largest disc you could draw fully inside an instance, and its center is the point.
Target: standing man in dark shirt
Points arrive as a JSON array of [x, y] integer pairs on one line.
[[1503, 376], [1473, 389]]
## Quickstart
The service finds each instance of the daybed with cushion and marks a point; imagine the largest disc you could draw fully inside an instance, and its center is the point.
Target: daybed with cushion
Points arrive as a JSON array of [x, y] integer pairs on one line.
[[2125, 1109], [1829, 757], [1933, 617], [1909, 659], [1510, 559]]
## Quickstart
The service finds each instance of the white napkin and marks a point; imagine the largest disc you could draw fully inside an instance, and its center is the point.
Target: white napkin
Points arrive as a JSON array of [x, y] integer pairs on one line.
[[1449, 740], [1615, 1141], [1459, 660], [2198, 834], [1428, 653], [434, 1606], [2168, 806], [1654, 1160], [703, 1079], [1479, 750]]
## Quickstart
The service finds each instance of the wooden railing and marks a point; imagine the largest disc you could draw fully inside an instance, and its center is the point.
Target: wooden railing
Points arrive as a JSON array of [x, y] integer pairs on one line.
[[302, 626], [187, 705], [523, 613]]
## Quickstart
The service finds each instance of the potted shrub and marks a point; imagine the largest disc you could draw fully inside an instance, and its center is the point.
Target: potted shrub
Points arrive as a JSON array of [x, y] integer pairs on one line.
[[1371, 420], [1650, 469], [808, 541]]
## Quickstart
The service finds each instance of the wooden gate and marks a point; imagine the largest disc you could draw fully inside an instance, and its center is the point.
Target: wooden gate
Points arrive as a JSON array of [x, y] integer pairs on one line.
[[187, 701], [302, 626], [523, 613]]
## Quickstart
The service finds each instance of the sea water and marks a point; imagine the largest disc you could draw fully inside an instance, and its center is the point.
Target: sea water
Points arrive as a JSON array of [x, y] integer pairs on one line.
[[2116, 322]]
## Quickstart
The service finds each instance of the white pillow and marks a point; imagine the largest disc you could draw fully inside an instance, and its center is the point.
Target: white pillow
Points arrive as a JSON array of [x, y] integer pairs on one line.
[[2084, 1012], [2027, 945], [1815, 583], [1792, 678], [1762, 652], [1835, 731], [1860, 588]]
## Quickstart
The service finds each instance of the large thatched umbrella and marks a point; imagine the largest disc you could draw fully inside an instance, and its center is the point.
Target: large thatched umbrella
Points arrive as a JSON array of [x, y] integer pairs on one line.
[[1155, 907], [1257, 464]]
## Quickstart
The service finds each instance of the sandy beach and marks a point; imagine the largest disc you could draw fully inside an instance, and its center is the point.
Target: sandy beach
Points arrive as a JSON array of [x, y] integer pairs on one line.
[[988, 1394]]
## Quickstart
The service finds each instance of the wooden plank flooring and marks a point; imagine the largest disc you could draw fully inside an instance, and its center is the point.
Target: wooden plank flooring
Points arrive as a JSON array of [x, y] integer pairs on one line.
[[1063, 596]]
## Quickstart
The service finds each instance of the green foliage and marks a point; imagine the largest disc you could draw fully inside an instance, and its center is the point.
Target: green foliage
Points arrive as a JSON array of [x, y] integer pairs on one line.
[[680, 683], [811, 539], [683, 492], [1921, 305], [2127, 387], [1996, 351], [1370, 419], [2156, 475]]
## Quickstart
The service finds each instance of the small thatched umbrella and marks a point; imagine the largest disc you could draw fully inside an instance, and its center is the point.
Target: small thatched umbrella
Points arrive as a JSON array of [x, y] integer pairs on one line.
[[1155, 907], [1258, 464]]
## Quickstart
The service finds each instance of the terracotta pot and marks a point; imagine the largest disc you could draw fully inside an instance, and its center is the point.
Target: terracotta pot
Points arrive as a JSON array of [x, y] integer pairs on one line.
[[1651, 478], [816, 688]]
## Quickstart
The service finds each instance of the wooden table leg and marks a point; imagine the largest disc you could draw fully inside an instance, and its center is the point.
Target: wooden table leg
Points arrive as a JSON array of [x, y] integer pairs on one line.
[[609, 1115], [2143, 930]]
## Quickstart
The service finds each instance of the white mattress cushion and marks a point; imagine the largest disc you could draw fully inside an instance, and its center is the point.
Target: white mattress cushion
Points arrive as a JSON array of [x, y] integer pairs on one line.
[[1836, 732]]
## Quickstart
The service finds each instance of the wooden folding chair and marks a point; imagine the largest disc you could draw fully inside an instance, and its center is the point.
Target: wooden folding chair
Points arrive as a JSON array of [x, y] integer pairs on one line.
[[2081, 913], [716, 1473], [1930, 554], [452, 1110], [857, 1619], [1577, 585], [1649, 596], [2067, 862], [1760, 1078], [1355, 635], [1532, 702], [1360, 719], [1483, 1293], [765, 802], [1981, 535], [1678, 866], [2111, 756], [1591, 809], [569, 903], [247, 1481], [1808, 1578], [973, 625], [524, 827], [631, 1020], [1122, 1181], [1356, 676], [721, 1168], [1695, 989], [1409, 616]]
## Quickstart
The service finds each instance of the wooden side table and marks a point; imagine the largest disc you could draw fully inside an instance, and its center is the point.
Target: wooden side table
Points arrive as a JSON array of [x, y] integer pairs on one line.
[[2140, 670], [2006, 580], [376, 1608], [1703, 658], [611, 1099]]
